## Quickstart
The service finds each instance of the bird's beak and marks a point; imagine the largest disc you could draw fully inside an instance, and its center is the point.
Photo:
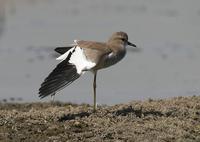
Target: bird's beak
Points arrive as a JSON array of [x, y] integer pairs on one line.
[[131, 44]]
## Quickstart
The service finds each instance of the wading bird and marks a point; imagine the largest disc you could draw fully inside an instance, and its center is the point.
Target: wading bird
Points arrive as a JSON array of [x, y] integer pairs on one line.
[[82, 56]]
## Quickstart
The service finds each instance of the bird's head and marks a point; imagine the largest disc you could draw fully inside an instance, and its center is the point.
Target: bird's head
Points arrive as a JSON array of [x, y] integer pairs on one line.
[[120, 38]]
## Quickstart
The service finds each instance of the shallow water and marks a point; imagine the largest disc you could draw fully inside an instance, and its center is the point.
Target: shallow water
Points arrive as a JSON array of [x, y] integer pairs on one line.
[[166, 31]]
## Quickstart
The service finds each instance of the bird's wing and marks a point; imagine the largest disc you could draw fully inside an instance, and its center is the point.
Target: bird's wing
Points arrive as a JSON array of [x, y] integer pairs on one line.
[[63, 75], [77, 57], [101, 46], [94, 50], [73, 64], [63, 50]]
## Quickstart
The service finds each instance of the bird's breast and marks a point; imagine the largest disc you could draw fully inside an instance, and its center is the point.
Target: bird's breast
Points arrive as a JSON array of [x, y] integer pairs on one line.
[[113, 58]]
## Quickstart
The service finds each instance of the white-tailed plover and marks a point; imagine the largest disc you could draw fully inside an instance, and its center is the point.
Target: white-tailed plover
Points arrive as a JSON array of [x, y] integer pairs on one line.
[[82, 56]]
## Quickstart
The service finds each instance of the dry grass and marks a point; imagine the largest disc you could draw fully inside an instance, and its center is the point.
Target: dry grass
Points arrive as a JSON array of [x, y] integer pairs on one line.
[[176, 119]]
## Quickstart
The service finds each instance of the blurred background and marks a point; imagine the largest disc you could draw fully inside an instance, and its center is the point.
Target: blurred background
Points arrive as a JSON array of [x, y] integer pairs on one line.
[[167, 31]]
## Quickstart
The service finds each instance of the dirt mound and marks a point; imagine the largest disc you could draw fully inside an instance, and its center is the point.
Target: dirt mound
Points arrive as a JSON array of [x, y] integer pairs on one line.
[[176, 119]]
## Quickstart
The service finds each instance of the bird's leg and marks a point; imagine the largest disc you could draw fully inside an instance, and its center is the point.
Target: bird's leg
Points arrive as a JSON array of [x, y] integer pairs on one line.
[[94, 89], [53, 97]]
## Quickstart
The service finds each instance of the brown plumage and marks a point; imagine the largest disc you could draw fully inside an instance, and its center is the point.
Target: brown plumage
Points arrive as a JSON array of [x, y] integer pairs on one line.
[[84, 56]]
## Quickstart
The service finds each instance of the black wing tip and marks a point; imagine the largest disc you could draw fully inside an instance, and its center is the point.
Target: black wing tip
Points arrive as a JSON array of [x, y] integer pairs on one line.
[[41, 95], [63, 75], [44, 92]]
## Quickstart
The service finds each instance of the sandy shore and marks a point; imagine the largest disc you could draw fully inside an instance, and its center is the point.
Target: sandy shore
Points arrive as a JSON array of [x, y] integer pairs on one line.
[[176, 119]]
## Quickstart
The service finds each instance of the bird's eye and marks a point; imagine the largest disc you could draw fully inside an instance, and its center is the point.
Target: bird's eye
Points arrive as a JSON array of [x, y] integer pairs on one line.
[[123, 39]]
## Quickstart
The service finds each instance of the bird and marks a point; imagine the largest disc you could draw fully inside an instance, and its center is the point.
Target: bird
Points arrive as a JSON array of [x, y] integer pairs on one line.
[[83, 56]]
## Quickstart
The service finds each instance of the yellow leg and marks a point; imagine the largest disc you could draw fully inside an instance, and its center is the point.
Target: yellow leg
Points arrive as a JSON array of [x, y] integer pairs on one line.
[[94, 89]]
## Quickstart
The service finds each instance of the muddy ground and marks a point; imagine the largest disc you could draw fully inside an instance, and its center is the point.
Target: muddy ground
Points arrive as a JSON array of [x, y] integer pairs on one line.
[[176, 119]]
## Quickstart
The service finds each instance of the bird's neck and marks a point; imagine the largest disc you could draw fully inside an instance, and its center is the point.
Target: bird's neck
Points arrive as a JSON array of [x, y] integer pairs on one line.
[[118, 51], [117, 46]]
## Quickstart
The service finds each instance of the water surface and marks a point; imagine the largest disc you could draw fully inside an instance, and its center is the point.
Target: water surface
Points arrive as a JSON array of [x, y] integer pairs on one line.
[[166, 31]]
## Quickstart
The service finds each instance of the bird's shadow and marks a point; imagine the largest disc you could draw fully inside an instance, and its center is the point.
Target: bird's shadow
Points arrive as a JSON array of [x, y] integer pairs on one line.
[[121, 112], [68, 117], [137, 112]]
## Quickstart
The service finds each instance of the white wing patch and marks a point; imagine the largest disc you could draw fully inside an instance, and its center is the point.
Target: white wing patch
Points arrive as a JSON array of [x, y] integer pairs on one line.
[[65, 55], [78, 58]]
